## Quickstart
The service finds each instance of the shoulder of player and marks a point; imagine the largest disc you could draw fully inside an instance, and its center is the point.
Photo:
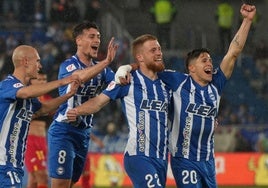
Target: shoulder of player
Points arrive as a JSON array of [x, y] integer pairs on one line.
[[10, 81]]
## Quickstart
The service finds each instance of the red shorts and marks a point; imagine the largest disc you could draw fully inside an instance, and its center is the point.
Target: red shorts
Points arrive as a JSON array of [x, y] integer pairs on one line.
[[36, 153]]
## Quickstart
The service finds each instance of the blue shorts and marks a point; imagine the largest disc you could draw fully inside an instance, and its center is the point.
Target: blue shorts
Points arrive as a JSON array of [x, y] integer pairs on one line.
[[11, 177], [145, 171], [193, 174], [67, 151]]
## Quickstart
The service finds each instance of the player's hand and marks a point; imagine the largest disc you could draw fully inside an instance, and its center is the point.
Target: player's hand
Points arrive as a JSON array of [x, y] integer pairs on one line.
[[122, 75], [111, 51], [72, 115], [248, 11]]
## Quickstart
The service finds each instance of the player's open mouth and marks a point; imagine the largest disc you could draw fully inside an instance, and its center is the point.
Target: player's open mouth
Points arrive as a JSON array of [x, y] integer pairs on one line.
[[158, 60], [94, 47], [208, 71]]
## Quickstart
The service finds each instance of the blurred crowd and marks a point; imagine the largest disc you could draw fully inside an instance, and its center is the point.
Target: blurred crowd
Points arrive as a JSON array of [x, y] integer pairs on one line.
[[51, 34]]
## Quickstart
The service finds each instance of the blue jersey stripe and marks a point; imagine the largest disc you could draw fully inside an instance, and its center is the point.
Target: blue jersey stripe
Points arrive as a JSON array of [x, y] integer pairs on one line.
[[195, 110], [87, 90], [145, 104], [15, 117]]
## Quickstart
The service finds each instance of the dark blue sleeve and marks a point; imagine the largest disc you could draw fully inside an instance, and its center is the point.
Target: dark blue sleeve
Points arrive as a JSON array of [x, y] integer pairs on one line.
[[8, 89], [109, 75], [219, 80], [172, 78], [115, 91], [37, 104], [66, 69]]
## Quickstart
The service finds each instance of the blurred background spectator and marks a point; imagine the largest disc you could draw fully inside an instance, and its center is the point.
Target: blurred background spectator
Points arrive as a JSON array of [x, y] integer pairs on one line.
[[163, 12], [224, 17], [92, 11]]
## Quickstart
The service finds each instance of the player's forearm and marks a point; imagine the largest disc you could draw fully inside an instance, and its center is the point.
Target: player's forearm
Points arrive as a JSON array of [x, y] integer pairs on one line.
[[53, 104], [235, 48], [92, 105], [38, 89], [240, 38], [92, 71], [87, 108]]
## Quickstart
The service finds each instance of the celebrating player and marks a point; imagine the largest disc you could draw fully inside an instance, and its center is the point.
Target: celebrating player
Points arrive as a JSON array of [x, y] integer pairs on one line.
[[68, 142], [145, 103], [18, 105], [196, 102]]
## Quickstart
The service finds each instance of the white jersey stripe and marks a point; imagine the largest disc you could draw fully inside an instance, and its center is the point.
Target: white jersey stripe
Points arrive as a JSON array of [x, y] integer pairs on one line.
[[195, 110], [145, 104], [5, 132], [130, 111]]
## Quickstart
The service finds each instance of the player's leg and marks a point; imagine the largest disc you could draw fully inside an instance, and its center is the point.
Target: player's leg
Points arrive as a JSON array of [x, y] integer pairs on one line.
[[85, 177], [161, 166], [29, 157], [80, 164], [61, 156], [185, 173], [31, 181], [193, 174], [208, 173], [35, 161], [143, 172], [40, 171], [10, 176], [41, 178]]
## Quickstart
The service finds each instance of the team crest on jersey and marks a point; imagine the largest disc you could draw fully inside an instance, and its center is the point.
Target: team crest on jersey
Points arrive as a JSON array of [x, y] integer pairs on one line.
[[111, 86], [17, 85], [60, 170], [70, 68], [215, 71], [212, 97]]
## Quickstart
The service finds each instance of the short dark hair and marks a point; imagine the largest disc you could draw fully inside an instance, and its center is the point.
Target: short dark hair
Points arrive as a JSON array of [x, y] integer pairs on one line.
[[194, 54], [78, 29]]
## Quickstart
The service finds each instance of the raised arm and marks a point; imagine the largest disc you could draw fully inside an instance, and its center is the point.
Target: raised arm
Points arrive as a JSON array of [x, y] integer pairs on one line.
[[37, 90], [90, 72], [227, 65], [92, 106]]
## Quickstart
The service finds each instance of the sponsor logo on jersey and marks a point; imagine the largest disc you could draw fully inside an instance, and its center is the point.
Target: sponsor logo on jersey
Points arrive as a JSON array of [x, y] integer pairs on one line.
[[141, 135], [13, 143], [201, 110], [17, 85], [155, 105], [186, 136], [111, 86], [70, 68]]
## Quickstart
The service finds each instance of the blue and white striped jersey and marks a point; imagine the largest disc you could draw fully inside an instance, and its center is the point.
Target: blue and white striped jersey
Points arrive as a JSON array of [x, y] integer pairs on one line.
[[145, 104], [15, 117], [195, 110], [86, 91]]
